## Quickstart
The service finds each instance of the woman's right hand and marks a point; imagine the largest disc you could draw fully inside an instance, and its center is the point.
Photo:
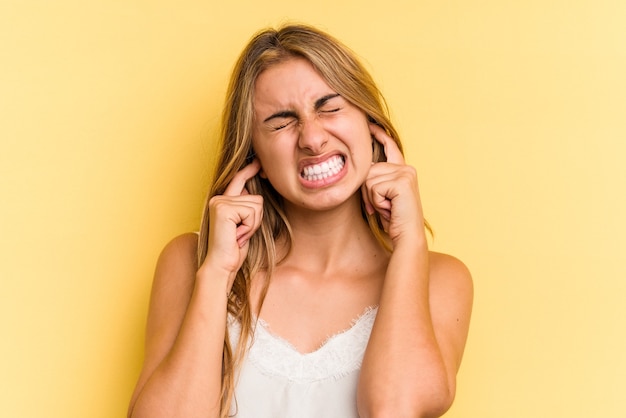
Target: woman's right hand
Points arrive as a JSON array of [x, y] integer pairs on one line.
[[234, 218]]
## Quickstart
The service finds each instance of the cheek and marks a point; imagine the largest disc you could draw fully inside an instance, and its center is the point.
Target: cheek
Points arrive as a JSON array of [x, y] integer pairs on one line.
[[272, 166], [366, 146]]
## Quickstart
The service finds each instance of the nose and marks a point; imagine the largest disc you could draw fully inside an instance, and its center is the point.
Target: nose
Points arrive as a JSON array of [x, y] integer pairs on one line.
[[313, 137]]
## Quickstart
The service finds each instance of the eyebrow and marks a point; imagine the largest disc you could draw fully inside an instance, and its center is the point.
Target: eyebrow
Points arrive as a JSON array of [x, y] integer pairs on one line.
[[281, 114], [291, 114], [322, 100]]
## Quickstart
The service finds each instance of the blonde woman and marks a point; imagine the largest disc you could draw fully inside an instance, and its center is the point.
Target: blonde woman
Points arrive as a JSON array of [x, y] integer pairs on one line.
[[310, 290]]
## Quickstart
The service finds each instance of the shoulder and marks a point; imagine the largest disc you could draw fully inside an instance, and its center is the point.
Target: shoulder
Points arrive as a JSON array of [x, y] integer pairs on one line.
[[180, 253], [183, 246], [173, 284], [446, 264], [449, 270], [176, 268], [451, 283]]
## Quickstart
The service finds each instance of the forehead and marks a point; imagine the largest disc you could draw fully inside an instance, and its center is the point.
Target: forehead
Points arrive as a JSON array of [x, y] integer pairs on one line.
[[288, 83]]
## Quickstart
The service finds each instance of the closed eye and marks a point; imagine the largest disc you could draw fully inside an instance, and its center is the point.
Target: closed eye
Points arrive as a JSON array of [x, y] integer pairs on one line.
[[282, 125], [280, 120], [330, 103]]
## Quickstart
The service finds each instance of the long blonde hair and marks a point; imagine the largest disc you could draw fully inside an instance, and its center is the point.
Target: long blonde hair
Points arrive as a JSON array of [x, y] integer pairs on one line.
[[343, 72]]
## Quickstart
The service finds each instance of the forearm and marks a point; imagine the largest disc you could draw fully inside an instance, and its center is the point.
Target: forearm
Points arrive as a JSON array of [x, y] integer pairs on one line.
[[403, 368], [187, 383]]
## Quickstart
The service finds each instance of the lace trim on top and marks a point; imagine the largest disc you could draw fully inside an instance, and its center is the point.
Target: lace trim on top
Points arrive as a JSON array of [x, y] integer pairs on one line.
[[340, 354]]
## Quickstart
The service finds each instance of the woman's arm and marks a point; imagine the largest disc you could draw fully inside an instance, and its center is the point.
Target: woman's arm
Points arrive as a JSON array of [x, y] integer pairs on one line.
[[181, 375], [182, 372], [416, 345]]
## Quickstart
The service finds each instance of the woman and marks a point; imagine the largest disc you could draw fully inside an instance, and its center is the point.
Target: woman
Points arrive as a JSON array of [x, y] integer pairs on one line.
[[310, 290]]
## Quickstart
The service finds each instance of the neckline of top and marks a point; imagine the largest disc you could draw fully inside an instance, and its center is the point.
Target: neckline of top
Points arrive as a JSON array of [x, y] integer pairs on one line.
[[265, 328]]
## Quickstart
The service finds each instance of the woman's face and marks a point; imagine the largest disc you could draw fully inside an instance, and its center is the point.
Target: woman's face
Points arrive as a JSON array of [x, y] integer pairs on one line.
[[314, 146]]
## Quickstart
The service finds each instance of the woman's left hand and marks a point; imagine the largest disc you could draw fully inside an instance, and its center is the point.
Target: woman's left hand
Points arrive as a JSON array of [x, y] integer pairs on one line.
[[391, 189]]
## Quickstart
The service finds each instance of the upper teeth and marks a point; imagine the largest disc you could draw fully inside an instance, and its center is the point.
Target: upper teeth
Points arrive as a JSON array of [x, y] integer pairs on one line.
[[328, 168]]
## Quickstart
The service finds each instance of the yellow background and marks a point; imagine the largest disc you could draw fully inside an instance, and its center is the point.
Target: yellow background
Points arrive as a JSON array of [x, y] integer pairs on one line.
[[512, 111]]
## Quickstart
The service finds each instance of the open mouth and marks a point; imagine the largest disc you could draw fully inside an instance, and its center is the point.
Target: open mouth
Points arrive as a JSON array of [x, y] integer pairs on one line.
[[323, 170]]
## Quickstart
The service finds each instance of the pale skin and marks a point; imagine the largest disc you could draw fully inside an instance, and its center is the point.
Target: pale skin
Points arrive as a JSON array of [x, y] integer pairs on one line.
[[334, 271]]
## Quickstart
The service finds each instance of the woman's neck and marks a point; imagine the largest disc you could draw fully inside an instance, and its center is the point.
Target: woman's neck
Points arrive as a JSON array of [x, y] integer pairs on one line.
[[327, 240]]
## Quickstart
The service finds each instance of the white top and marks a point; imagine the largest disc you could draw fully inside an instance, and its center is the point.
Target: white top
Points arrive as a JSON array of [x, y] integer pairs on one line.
[[277, 381]]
